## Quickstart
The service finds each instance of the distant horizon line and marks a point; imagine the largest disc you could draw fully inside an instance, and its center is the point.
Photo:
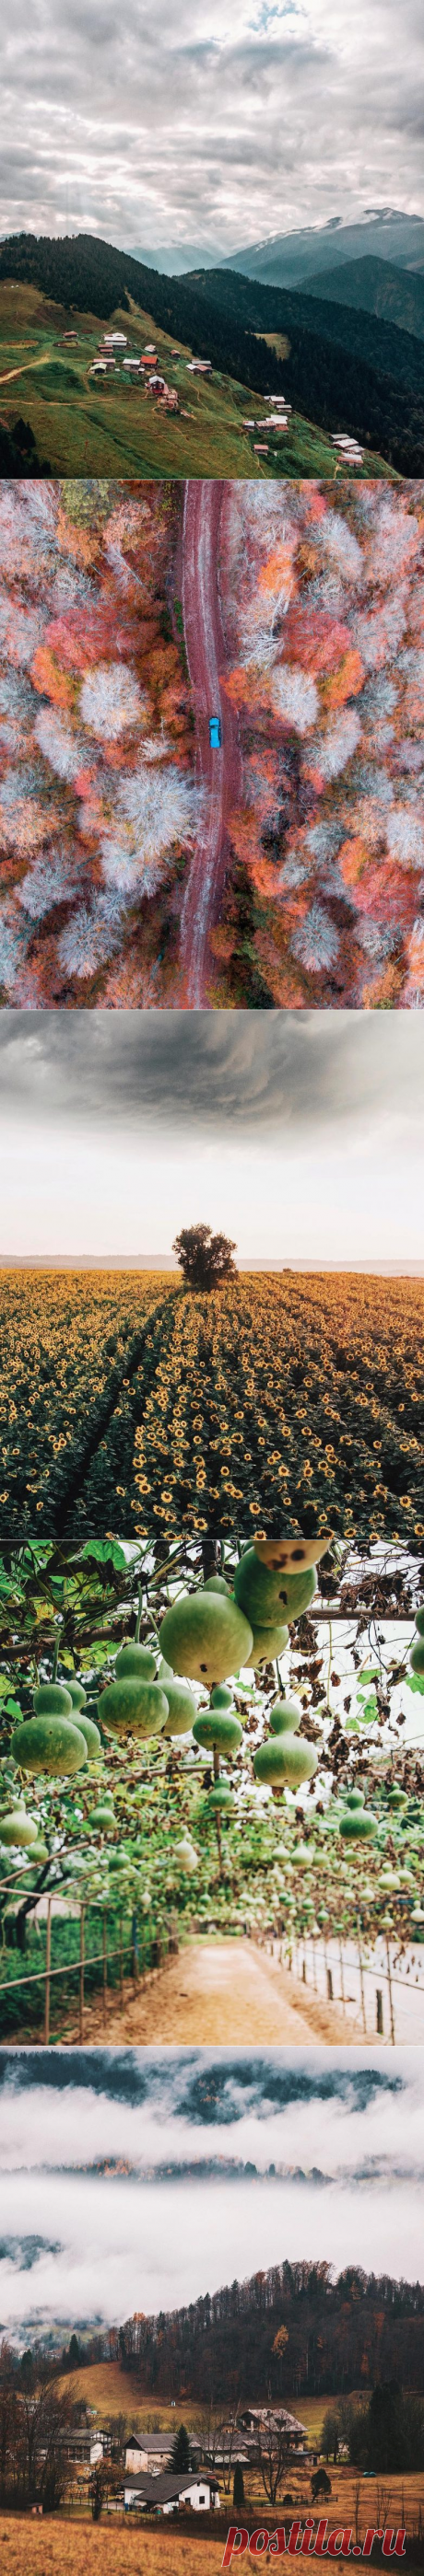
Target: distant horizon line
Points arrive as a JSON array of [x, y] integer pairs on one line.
[[286, 231], [397, 1269]]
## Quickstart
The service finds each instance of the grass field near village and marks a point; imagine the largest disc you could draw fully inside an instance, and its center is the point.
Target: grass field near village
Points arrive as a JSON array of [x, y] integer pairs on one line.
[[113, 2391], [127, 1403], [82, 426], [72, 2545]]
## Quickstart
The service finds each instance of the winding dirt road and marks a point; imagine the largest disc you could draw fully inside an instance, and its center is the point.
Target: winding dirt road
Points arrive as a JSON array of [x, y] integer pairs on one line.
[[217, 773], [226, 1993]]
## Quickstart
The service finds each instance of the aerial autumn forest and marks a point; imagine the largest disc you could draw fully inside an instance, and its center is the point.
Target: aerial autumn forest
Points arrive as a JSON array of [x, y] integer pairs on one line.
[[314, 847]]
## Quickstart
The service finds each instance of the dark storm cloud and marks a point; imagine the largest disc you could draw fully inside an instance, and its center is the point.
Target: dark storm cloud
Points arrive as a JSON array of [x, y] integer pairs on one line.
[[241, 1074], [138, 126]]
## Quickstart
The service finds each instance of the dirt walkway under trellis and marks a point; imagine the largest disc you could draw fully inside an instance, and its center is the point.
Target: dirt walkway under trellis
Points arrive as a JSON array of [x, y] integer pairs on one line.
[[220, 1992]]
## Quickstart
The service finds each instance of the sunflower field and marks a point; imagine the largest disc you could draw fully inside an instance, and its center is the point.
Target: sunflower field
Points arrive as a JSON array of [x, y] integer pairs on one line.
[[127, 1402]]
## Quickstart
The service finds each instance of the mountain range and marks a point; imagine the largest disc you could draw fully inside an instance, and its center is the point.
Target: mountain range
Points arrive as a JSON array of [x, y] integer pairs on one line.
[[289, 259]]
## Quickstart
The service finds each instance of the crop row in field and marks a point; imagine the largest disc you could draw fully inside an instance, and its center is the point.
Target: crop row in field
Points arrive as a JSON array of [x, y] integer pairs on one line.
[[127, 1401], [66, 1341]]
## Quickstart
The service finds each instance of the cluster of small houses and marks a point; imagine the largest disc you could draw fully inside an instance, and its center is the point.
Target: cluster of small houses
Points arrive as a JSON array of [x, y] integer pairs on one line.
[[278, 417], [149, 2482], [141, 366]]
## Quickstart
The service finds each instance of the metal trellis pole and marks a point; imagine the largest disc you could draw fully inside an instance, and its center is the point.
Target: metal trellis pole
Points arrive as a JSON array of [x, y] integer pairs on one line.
[[342, 1984], [47, 1974], [361, 1973], [81, 1975], [389, 1982]]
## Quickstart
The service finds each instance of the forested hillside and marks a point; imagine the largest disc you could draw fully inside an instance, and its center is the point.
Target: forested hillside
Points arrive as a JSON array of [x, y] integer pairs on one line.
[[344, 370], [346, 367], [342, 2334], [375, 286], [89, 276], [391, 352]]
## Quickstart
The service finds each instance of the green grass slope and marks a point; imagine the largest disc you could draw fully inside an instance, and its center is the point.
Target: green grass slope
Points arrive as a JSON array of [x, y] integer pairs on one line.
[[93, 426]]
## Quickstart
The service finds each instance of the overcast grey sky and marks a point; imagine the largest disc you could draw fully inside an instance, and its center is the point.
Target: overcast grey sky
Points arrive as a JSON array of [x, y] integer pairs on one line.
[[157, 125], [299, 1133], [347, 2136]]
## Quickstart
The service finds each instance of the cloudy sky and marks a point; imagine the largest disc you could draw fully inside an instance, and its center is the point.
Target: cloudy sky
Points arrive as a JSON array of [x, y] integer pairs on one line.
[[205, 125], [299, 1134], [344, 2133]]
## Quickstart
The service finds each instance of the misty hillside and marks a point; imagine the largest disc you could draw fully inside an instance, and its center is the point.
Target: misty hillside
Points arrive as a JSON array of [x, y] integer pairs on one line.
[[342, 2334], [375, 286], [175, 261]]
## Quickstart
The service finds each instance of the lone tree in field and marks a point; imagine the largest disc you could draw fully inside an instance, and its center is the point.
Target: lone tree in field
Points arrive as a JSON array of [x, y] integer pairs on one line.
[[206, 1259]]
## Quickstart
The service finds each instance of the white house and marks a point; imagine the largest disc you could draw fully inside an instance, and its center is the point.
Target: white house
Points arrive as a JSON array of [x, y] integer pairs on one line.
[[199, 366], [348, 451], [115, 339], [170, 2491]]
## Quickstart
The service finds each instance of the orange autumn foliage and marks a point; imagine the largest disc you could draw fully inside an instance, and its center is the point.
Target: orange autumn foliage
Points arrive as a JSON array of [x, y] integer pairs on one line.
[[288, 992], [278, 571], [76, 541], [383, 992], [223, 941], [49, 680], [244, 688], [353, 858], [314, 639], [416, 957], [346, 681]]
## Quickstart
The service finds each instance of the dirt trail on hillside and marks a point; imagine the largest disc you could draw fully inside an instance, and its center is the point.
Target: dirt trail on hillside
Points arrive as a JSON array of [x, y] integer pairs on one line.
[[218, 1992]]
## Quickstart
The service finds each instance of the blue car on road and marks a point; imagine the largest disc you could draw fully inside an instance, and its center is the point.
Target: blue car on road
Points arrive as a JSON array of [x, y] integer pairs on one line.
[[215, 733]]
